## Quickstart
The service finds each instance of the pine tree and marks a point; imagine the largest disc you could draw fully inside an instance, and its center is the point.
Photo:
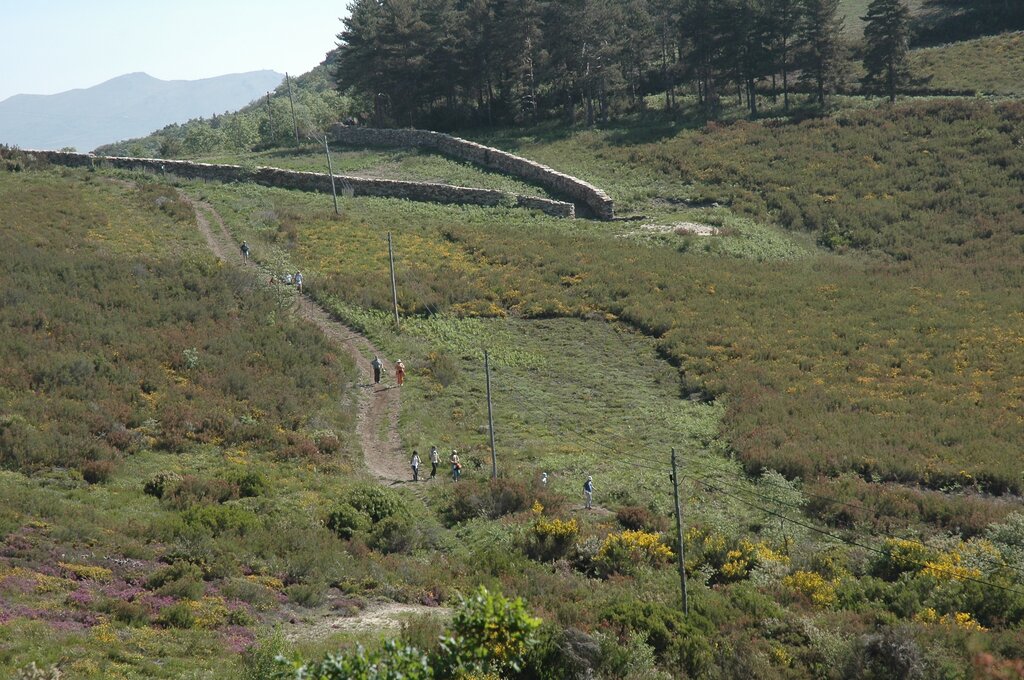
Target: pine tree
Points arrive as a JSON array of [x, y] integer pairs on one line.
[[820, 30], [886, 34]]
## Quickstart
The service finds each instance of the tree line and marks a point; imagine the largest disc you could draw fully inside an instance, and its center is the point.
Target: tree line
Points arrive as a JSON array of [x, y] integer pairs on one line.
[[447, 63]]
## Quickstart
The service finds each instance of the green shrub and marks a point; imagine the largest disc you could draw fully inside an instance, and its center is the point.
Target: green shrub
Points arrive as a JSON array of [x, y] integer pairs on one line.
[[131, 613], [306, 594], [395, 534], [490, 634], [345, 520], [375, 501], [221, 519], [177, 615]]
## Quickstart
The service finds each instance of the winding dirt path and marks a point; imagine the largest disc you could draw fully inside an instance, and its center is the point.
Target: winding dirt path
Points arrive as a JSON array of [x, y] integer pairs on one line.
[[378, 405]]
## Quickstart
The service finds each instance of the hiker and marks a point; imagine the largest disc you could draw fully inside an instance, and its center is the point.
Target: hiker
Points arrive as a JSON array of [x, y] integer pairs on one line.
[[288, 278], [544, 479], [377, 366], [298, 281], [588, 492], [399, 372], [245, 250], [456, 465], [415, 462], [435, 458]]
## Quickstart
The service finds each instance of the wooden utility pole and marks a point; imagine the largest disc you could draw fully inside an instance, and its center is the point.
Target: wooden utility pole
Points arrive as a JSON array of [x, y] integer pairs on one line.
[[291, 101], [394, 289], [490, 417], [679, 535], [330, 169]]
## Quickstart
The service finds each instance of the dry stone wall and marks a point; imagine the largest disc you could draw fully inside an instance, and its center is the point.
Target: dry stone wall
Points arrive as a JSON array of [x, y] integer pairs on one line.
[[597, 201], [315, 181]]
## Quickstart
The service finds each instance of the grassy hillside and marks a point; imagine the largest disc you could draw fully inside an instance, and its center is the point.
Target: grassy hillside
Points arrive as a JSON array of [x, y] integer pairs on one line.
[[990, 65], [855, 325]]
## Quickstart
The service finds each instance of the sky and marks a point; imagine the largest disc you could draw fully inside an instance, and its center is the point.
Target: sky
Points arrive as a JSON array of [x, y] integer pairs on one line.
[[51, 46]]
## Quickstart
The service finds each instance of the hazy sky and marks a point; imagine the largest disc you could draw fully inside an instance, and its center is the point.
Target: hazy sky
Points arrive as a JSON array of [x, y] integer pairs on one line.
[[49, 46]]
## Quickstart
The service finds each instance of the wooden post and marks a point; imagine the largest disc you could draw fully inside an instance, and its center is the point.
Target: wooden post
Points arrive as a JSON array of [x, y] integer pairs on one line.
[[291, 101], [490, 417], [330, 169], [679, 535], [394, 289]]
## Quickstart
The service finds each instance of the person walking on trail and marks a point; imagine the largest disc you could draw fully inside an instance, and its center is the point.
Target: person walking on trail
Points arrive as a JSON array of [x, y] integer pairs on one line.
[[456, 465], [399, 372], [435, 458], [378, 367], [415, 462], [588, 493], [298, 281], [245, 250], [544, 479]]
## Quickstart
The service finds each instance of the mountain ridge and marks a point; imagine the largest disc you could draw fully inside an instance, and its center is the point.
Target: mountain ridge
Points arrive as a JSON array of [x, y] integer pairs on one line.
[[126, 106]]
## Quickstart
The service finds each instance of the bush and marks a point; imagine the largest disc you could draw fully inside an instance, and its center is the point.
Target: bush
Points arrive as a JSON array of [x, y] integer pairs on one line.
[[376, 502], [306, 594], [160, 483], [442, 368], [492, 499], [491, 634], [177, 615], [345, 520], [638, 518], [624, 552], [395, 534], [551, 539], [192, 490], [97, 471]]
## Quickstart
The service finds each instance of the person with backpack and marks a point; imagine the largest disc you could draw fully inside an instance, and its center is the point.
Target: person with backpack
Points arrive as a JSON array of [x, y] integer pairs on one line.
[[298, 281], [378, 366], [399, 372], [415, 462], [435, 458], [456, 465], [588, 493], [245, 250]]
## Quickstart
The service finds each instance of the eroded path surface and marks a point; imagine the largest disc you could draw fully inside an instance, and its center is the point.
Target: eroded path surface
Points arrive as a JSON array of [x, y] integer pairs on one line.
[[378, 405]]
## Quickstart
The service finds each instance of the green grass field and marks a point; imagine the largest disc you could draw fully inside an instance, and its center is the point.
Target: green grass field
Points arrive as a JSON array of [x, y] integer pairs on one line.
[[992, 65]]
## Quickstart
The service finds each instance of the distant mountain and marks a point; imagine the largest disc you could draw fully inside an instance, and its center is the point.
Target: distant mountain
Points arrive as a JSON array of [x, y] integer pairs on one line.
[[132, 105]]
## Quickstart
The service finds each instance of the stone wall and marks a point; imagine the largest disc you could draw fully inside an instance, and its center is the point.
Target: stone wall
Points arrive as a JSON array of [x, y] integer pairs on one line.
[[315, 181], [596, 201]]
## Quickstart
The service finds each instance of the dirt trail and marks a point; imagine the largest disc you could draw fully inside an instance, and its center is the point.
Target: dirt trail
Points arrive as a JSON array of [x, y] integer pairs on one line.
[[378, 405]]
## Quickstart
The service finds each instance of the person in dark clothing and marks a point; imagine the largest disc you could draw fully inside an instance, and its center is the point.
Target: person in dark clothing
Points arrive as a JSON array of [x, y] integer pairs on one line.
[[378, 365]]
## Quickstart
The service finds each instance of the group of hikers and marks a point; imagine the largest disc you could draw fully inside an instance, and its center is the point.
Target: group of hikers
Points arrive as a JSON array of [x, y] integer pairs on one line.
[[288, 279], [435, 456], [435, 460], [456, 463]]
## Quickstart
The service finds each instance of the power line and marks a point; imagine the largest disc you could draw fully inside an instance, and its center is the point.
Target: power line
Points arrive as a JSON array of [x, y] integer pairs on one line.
[[850, 541], [984, 558]]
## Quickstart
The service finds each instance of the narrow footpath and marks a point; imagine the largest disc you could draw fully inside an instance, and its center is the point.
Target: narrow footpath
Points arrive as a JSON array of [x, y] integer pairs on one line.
[[378, 405]]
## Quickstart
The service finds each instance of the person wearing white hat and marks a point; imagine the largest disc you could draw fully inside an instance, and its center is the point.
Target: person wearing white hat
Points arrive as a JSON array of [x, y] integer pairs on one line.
[[456, 465], [588, 492]]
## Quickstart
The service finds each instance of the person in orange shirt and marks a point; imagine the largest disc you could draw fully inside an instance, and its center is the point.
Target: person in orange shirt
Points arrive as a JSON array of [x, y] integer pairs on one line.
[[399, 372]]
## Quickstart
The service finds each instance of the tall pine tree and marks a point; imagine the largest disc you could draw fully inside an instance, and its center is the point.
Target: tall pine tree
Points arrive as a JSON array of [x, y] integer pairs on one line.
[[886, 35], [821, 27]]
